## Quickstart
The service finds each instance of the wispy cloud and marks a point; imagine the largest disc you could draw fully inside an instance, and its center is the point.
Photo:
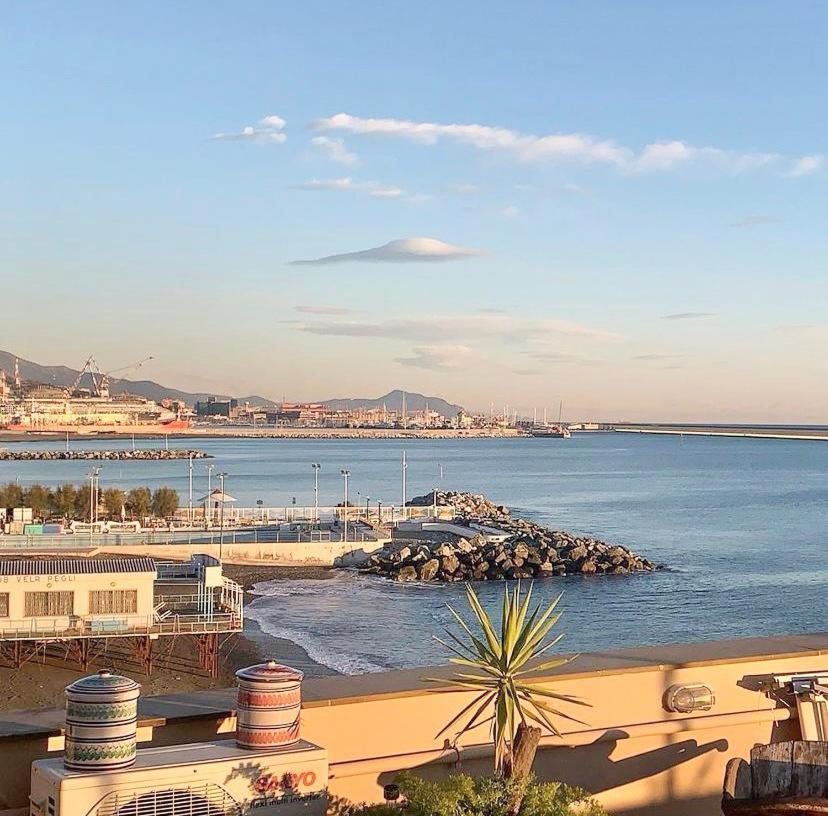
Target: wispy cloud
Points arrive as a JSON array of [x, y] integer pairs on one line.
[[347, 184], [688, 316], [462, 328], [806, 166], [806, 330], [335, 150], [528, 372], [657, 356], [437, 357], [269, 129], [757, 220], [463, 188], [563, 358], [324, 310], [510, 211], [400, 251], [579, 147]]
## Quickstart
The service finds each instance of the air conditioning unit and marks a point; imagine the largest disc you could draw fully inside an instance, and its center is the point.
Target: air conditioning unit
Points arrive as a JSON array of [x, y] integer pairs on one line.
[[199, 779]]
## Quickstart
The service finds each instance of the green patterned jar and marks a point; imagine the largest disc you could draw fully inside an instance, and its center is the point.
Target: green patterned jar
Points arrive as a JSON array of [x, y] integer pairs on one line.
[[101, 722]]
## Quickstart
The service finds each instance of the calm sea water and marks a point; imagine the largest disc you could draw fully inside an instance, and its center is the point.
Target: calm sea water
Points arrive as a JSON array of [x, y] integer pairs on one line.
[[741, 524]]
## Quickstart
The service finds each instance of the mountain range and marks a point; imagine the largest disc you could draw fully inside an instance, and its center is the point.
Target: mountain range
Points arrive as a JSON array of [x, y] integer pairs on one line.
[[64, 376]]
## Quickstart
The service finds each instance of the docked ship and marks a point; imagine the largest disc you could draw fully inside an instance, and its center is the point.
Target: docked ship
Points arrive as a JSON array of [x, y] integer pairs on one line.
[[39, 408], [551, 431]]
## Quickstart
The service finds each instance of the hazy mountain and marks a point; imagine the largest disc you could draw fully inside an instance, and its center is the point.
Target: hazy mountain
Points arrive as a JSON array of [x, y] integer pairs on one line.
[[65, 376], [393, 401]]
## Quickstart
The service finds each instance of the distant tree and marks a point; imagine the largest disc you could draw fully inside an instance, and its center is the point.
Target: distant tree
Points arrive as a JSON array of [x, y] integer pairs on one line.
[[11, 495], [114, 500], [139, 502], [164, 502], [82, 498], [39, 499], [63, 501]]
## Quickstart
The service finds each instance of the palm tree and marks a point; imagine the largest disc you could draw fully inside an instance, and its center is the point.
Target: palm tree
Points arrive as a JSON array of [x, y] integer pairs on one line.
[[518, 711]]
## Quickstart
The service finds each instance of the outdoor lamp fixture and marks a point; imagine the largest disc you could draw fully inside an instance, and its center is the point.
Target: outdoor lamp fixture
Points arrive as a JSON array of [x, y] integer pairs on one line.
[[684, 698], [391, 793]]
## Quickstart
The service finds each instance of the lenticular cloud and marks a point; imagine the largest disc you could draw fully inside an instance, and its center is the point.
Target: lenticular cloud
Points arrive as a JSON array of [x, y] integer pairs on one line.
[[403, 250]]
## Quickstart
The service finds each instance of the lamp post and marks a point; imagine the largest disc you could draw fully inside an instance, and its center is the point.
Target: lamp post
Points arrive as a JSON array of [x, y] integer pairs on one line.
[[209, 498], [316, 468], [222, 477], [404, 469], [190, 503], [345, 475]]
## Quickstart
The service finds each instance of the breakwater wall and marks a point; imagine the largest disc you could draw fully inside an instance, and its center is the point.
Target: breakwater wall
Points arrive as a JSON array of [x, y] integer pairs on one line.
[[91, 455]]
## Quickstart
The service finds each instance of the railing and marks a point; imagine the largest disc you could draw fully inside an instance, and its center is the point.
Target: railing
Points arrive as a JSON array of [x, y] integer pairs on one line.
[[120, 626]]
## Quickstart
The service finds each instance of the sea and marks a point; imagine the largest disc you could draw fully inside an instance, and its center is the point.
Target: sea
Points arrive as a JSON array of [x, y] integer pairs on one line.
[[740, 526]]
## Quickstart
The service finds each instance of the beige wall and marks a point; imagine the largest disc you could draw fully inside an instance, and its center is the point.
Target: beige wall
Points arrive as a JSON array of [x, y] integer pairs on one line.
[[633, 754], [80, 584]]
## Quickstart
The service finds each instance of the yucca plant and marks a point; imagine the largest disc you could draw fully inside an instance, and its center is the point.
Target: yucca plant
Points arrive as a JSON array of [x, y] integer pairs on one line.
[[517, 710]]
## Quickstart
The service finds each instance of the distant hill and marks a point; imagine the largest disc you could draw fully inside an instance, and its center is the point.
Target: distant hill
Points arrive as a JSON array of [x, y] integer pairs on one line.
[[393, 400], [65, 376]]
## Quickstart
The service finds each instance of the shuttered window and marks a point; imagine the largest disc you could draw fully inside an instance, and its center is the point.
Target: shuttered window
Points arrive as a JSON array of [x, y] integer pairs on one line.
[[4, 604], [48, 604], [113, 602]]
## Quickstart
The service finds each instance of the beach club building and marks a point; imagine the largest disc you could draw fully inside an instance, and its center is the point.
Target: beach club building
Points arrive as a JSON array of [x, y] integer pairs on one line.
[[79, 602]]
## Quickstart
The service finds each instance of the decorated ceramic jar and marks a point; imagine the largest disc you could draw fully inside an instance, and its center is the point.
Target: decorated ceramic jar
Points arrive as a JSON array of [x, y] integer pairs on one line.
[[101, 721], [269, 701]]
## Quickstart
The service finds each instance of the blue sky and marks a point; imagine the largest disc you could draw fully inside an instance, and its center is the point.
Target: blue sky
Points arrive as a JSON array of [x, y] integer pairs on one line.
[[632, 161]]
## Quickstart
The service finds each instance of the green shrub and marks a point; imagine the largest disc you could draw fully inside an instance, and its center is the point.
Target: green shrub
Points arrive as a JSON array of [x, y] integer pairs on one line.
[[463, 795]]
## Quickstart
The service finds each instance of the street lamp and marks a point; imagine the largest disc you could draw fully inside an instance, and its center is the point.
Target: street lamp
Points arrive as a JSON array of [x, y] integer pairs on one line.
[[316, 468], [345, 475], [404, 469], [190, 503], [209, 498], [222, 477]]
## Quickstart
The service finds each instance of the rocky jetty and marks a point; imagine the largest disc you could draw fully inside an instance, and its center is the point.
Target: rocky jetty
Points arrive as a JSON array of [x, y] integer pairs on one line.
[[118, 455], [507, 547]]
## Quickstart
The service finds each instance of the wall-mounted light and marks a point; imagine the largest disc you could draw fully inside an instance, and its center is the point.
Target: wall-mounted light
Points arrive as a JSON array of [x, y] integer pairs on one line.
[[685, 698]]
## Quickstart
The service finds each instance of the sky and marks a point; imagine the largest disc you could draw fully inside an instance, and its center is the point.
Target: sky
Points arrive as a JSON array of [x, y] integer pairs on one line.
[[617, 205]]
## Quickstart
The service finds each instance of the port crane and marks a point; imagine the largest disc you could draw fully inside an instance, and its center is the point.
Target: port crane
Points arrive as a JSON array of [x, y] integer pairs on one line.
[[100, 379]]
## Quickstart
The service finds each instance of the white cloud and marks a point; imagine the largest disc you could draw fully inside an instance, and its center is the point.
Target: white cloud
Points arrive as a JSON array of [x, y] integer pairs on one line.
[[347, 184], [269, 129], [755, 221], [464, 188], [323, 310], [563, 358], [688, 316], [461, 328], [437, 357], [806, 165], [656, 156], [335, 150], [401, 250]]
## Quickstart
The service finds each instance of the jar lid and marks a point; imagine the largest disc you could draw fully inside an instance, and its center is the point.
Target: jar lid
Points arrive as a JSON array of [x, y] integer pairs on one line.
[[269, 671], [104, 680]]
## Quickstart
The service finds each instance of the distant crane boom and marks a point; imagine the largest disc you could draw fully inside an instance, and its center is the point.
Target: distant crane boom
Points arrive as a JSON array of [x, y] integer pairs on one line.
[[100, 379]]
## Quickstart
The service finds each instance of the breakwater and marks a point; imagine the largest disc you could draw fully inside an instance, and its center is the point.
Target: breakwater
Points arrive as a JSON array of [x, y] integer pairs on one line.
[[116, 455], [500, 547]]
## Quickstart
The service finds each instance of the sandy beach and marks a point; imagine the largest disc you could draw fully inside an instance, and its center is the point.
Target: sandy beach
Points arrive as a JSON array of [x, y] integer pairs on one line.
[[39, 683]]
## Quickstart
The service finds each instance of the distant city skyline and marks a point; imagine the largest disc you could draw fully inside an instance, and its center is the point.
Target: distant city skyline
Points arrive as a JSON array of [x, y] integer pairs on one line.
[[617, 206]]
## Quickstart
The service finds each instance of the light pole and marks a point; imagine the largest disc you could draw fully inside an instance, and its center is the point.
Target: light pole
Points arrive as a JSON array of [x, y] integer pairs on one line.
[[209, 497], [316, 468], [345, 475], [190, 503], [367, 500], [404, 469], [222, 477]]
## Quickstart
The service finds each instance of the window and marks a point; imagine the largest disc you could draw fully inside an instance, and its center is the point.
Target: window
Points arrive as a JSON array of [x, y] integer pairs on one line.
[[4, 604], [113, 602], [48, 604]]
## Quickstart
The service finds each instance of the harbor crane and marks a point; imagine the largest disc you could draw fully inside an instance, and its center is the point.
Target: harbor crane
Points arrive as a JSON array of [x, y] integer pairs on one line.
[[100, 379]]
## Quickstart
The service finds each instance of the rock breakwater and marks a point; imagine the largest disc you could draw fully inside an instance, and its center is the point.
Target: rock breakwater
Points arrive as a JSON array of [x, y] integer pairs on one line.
[[498, 547], [119, 455]]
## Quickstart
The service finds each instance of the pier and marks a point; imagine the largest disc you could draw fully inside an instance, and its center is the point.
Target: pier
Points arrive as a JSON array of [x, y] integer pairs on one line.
[[805, 434]]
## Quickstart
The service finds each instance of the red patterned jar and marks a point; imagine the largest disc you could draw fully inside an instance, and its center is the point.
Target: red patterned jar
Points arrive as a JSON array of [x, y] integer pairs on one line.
[[269, 702]]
